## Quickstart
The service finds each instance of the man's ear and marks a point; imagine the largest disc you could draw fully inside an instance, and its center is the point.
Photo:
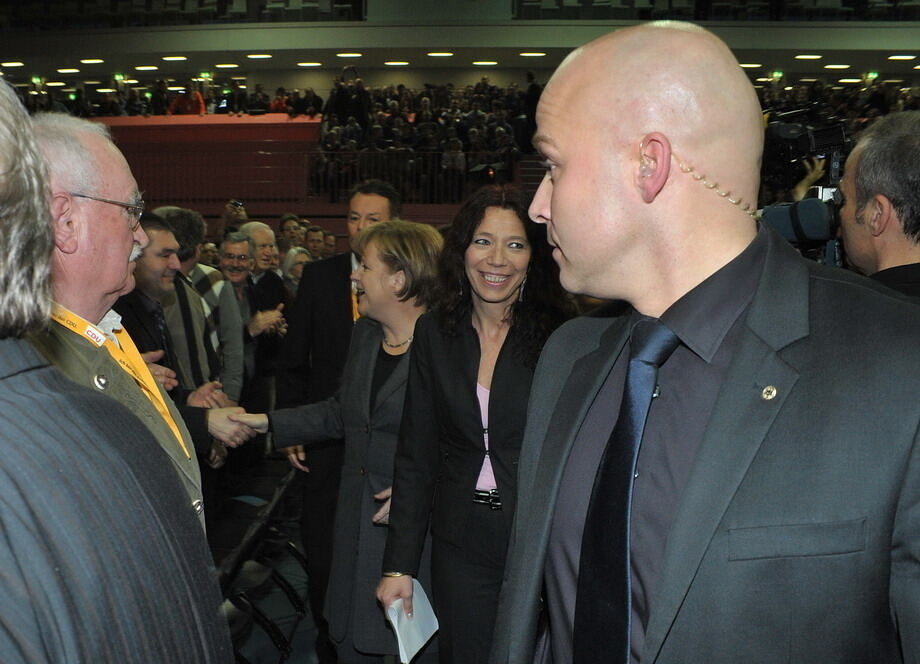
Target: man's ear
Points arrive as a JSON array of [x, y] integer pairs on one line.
[[63, 225], [654, 165], [879, 215]]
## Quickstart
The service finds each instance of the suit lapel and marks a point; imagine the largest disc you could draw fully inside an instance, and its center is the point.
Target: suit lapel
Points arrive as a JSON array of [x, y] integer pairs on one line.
[[583, 383], [466, 355], [755, 388]]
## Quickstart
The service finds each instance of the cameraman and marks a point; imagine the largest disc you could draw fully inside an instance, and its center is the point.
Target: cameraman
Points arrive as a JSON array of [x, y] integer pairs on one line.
[[880, 213]]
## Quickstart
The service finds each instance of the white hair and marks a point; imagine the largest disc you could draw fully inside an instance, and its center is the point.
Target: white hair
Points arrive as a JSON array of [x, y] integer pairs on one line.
[[251, 227], [25, 223], [70, 164]]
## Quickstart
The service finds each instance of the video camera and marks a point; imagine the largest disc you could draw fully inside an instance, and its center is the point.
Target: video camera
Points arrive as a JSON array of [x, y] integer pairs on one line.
[[810, 224]]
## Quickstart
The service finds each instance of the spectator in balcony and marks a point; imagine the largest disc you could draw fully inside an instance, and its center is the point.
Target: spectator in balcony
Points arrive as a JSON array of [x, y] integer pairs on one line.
[[428, 138], [375, 138], [352, 130], [111, 105], [135, 103], [498, 121], [359, 102], [258, 100], [159, 98], [312, 103], [453, 167], [337, 103], [408, 135], [295, 104], [235, 100], [280, 103], [331, 132], [187, 102], [531, 97]]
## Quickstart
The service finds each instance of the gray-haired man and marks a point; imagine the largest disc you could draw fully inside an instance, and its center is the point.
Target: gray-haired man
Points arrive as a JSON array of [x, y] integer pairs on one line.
[[102, 557]]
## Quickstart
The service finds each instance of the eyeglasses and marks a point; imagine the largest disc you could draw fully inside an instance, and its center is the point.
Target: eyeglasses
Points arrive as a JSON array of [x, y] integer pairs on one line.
[[135, 210], [235, 257]]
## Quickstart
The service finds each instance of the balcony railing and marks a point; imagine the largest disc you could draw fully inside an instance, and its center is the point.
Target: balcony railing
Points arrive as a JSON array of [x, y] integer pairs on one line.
[[276, 176], [420, 177]]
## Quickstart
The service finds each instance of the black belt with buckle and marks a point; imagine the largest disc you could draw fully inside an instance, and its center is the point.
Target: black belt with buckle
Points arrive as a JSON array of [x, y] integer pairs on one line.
[[490, 498]]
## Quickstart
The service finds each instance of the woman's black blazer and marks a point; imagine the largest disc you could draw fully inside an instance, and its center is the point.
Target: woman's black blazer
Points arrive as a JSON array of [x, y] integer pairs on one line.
[[441, 449]]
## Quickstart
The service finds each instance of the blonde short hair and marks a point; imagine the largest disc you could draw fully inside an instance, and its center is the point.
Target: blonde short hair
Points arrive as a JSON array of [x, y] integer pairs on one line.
[[408, 247]]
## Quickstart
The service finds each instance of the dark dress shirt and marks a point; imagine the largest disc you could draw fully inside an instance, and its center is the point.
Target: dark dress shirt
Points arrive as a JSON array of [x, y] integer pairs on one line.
[[707, 320], [902, 278]]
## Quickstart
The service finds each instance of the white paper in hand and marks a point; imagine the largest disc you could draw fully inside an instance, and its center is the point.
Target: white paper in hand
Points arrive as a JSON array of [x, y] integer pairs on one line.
[[412, 633]]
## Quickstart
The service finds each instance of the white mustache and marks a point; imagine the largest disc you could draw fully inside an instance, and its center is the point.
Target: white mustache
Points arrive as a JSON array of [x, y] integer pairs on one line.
[[136, 252]]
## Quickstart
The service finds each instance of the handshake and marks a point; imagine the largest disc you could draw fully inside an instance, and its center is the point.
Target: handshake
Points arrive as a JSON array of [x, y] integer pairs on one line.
[[228, 424]]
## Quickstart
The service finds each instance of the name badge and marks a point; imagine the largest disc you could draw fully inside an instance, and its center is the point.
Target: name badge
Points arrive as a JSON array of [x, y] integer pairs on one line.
[[93, 335]]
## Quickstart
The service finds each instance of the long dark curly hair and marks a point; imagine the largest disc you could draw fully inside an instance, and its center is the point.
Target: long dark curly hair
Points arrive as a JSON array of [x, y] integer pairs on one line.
[[544, 305]]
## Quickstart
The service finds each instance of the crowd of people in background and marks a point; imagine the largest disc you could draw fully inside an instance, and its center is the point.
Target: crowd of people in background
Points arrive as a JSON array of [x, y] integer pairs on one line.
[[440, 142]]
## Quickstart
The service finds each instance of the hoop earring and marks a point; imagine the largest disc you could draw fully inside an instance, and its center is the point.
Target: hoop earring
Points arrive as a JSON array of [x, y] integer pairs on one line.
[[521, 289]]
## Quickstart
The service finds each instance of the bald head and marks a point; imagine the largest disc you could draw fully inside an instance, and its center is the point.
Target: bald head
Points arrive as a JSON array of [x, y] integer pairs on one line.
[[654, 138], [678, 79]]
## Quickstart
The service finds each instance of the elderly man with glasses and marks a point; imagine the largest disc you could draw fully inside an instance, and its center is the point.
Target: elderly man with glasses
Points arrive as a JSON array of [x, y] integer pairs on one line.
[[95, 211]]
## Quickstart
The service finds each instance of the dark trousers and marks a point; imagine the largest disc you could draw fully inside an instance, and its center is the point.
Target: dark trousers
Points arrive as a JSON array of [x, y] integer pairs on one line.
[[317, 518], [465, 585]]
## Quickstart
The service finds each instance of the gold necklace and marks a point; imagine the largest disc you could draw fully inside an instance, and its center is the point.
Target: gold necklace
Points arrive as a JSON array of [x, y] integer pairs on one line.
[[399, 345]]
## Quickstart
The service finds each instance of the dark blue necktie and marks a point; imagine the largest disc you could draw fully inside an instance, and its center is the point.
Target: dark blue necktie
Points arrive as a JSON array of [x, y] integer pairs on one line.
[[602, 605]]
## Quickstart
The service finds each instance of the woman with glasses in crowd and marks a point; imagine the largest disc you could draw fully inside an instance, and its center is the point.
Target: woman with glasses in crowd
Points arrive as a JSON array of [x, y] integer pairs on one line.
[[395, 282], [469, 380]]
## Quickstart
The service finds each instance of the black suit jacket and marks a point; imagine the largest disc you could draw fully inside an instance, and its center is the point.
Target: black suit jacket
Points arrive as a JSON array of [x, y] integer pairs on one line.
[[441, 447], [797, 537], [319, 331], [139, 322], [903, 278]]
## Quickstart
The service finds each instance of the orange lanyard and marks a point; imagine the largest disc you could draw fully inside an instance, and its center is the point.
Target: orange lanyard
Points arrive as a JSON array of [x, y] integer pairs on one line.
[[128, 358]]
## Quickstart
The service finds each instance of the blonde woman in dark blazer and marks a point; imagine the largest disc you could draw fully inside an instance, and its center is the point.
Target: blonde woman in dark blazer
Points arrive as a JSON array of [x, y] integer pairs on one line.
[[395, 281]]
